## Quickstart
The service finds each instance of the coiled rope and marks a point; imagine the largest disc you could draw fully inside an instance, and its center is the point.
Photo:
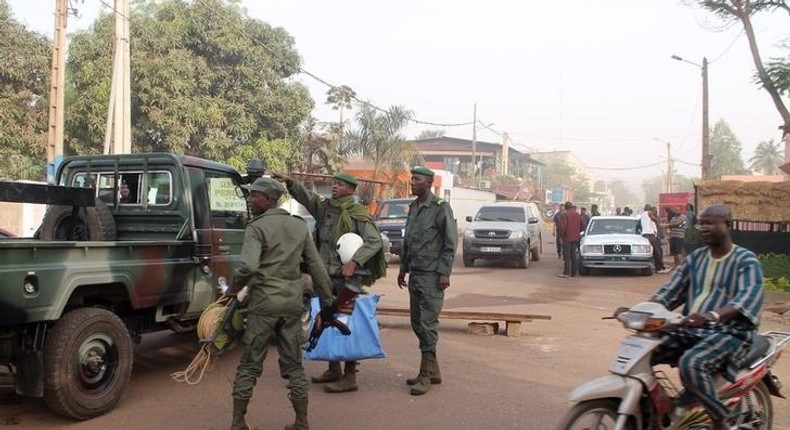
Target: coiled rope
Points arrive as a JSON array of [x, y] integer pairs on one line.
[[208, 324]]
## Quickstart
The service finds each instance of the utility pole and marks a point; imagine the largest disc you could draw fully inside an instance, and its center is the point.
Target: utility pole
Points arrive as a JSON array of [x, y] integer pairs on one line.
[[118, 136], [474, 145], [505, 153], [669, 168], [56, 90], [705, 126]]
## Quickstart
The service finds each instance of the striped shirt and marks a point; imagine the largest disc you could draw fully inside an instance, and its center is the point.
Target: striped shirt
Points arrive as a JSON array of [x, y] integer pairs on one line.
[[677, 227], [703, 284]]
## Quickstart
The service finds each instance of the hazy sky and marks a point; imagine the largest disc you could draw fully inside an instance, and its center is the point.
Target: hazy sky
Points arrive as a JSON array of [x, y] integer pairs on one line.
[[593, 77]]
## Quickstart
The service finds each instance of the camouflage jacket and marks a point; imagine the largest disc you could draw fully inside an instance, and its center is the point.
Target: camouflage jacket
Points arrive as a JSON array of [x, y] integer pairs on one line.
[[430, 238], [274, 245]]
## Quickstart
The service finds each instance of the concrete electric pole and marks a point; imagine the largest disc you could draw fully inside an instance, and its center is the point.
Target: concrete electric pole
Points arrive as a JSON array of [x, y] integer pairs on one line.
[[118, 136], [56, 90], [474, 144]]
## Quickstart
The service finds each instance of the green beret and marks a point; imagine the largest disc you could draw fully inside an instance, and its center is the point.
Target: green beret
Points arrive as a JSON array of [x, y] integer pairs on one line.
[[422, 170], [271, 187], [345, 177]]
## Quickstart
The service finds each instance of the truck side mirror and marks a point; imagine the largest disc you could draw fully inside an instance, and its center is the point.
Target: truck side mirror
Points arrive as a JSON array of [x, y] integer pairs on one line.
[[533, 220], [468, 218]]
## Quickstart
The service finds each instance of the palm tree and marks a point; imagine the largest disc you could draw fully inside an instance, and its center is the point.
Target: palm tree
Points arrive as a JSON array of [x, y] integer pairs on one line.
[[379, 137], [767, 158]]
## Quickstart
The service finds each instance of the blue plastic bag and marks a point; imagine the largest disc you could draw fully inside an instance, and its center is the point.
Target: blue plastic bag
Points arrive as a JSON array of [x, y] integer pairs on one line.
[[363, 343]]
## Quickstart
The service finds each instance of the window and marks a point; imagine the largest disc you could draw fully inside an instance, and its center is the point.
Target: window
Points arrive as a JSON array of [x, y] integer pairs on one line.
[[130, 186], [160, 190], [227, 201]]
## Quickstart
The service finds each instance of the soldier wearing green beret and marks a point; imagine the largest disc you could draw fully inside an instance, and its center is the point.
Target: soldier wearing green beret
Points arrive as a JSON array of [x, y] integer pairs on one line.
[[428, 252], [335, 216], [274, 245]]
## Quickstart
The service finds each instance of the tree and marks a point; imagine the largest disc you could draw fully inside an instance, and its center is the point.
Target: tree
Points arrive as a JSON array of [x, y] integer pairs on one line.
[[658, 184], [379, 137], [774, 78], [340, 98], [430, 134], [24, 94], [207, 80], [623, 196], [767, 158], [561, 174], [725, 150]]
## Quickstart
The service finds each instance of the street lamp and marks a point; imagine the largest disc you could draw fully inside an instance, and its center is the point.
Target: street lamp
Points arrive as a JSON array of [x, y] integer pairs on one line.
[[705, 126]]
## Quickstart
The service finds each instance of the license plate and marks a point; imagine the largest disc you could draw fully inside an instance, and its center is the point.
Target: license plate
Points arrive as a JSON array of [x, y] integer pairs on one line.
[[490, 249]]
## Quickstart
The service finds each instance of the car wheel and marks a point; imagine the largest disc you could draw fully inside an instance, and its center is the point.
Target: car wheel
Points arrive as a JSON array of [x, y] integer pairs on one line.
[[469, 262], [584, 270], [524, 261], [647, 271]]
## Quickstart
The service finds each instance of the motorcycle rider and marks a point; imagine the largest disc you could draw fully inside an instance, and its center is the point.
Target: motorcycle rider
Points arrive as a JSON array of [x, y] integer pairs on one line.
[[720, 287]]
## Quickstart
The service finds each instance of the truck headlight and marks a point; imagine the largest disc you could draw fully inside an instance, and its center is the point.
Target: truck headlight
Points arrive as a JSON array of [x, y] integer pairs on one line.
[[641, 249], [518, 234], [592, 249], [469, 233]]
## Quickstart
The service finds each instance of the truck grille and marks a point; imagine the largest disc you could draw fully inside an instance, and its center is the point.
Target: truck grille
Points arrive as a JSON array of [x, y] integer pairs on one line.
[[617, 249], [492, 234]]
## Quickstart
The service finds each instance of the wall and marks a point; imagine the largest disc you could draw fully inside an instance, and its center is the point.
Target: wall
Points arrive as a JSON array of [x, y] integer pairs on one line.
[[22, 219], [466, 202]]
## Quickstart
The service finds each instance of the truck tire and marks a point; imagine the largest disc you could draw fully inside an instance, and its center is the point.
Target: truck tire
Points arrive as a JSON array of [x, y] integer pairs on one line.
[[94, 223], [88, 359]]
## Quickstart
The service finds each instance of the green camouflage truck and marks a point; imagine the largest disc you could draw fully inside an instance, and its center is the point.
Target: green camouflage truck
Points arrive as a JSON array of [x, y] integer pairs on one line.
[[130, 244]]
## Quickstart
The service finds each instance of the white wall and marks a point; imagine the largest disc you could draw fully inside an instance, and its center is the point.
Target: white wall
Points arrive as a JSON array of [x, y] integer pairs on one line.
[[467, 201]]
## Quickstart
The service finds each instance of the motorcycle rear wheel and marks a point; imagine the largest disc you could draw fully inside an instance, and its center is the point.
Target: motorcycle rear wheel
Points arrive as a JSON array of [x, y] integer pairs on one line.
[[755, 410], [599, 414]]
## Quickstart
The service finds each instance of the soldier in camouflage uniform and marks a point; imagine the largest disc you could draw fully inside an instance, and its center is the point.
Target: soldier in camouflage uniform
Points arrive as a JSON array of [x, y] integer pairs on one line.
[[428, 252], [274, 244], [334, 217]]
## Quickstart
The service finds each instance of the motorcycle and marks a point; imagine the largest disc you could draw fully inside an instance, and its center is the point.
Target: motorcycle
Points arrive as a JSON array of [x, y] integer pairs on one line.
[[636, 396]]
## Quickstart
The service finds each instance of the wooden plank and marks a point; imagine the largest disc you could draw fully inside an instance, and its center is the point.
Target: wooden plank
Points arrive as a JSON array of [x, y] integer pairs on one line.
[[466, 315]]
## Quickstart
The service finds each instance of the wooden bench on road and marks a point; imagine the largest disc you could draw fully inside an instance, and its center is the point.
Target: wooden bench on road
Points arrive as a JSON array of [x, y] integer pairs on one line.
[[512, 320]]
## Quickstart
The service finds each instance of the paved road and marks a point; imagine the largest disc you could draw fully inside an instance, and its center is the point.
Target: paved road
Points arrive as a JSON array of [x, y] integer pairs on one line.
[[490, 382]]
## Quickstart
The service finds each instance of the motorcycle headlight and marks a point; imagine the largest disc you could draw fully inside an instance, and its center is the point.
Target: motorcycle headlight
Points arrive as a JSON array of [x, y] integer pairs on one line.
[[518, 234], [469, 233], [592, 249], [641, 249]]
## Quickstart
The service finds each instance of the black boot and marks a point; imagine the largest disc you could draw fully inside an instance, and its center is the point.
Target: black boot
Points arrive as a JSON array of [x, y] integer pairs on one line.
[[300, 409], [239, 410]]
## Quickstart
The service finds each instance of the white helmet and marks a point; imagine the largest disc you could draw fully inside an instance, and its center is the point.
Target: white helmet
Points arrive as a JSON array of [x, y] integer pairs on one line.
[[347, 246]]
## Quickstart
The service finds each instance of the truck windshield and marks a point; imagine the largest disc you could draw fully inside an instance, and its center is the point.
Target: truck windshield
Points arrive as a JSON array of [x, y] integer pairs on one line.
[[394, 210], [498, 213]]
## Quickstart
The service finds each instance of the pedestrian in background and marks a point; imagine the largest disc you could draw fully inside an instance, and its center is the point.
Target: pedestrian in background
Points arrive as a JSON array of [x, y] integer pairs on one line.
[[570, 231], [557, 221], [428, 251], [677, 235], [649, 231], [274, 245]]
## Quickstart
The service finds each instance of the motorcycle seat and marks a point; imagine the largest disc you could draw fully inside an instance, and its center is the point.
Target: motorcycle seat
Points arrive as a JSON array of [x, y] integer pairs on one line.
[[760, 345]]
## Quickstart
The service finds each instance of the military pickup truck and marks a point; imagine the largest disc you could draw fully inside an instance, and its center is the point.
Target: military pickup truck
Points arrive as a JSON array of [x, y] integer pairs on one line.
[[130, 244]]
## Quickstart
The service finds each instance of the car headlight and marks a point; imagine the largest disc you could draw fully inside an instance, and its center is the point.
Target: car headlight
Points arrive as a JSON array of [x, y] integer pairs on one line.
[[469, 233], [592, 249], [641, 249], [518, 234]]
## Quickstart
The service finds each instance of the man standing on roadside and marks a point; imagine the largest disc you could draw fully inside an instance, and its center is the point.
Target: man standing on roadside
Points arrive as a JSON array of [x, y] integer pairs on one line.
[[650, 232], [571, 227], [677, 235], [274, 244], [334, 217], [557, 221], [429, 246]]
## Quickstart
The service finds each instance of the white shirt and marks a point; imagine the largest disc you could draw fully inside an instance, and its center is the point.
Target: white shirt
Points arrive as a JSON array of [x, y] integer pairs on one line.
[[647, 223]]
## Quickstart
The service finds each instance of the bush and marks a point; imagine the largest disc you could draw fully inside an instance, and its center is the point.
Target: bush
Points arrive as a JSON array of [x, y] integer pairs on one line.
[[775, 265], [777, 284]]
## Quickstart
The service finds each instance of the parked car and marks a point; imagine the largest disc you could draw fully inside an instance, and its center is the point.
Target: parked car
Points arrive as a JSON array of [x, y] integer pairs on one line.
[[390, 218], [612, 242], [504, 231]]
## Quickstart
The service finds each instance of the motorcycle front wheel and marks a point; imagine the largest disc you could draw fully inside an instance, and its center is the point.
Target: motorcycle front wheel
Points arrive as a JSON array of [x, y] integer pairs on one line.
[[600, 414]]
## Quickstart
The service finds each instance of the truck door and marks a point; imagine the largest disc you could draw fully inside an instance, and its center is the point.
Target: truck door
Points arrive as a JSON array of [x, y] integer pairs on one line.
[[221, 218]]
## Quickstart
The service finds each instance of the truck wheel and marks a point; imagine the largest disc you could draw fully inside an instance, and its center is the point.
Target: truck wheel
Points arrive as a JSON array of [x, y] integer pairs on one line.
[[88, 359], [523, 262], [537, 250], [93, 223], [469, 262]]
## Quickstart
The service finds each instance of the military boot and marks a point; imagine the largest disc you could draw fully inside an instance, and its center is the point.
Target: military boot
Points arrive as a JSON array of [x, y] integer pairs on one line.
[[433, 372], [332, 374], [239, 410], [300, 409], [349, 381]]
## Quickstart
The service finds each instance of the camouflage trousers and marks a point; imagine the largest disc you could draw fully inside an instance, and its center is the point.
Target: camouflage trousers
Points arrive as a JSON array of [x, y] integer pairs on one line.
[[260, 330], [425, 303]]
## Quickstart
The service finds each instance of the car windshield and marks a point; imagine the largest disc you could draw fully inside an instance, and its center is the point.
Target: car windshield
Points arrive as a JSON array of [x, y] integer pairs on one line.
[[394, 210], [613, 226], [500, 213]]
